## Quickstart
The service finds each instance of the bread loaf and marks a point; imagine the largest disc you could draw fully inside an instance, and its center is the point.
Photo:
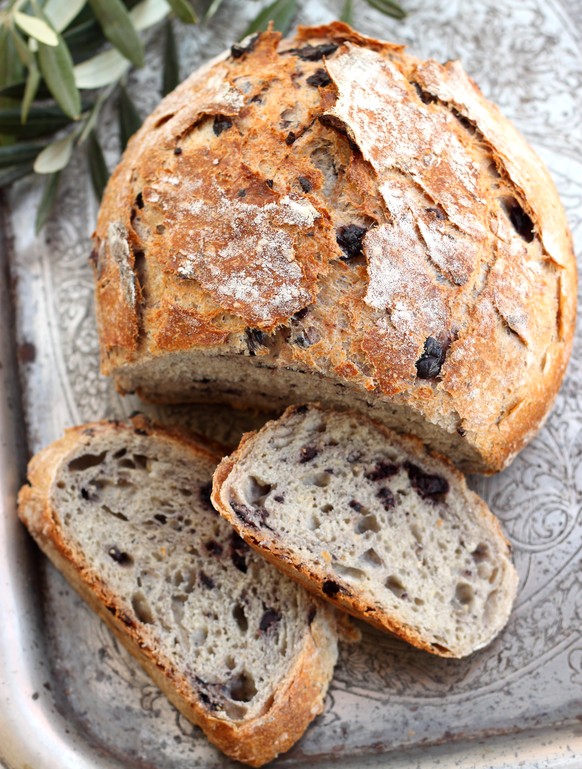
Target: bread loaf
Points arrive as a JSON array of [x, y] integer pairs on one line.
[[329, 218], [123, 510], [375, 524]]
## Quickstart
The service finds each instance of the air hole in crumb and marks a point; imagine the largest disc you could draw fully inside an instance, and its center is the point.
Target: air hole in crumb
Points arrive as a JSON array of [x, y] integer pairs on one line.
[[141, 461], [120, 453], [371, 557], [230, 662], [256, 492], [85, 461], [419, 601], [128, 464], [199, 634], [368, 523], [349, 572], [416, 533], [242, 687], [142, 608], [240, 617], [114, 513], [313, 522], [61, 485], [394, 584], [481, 552], [320, 480], [464, 594], [326, 508]]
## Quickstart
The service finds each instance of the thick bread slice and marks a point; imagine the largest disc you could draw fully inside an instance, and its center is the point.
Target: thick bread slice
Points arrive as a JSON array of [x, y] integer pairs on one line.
[[123, 510], [375, 524]]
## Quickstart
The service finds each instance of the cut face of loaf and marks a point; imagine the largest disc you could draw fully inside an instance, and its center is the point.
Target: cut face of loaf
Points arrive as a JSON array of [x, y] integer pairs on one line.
[[329, 218], [124, 511], [375, 524]]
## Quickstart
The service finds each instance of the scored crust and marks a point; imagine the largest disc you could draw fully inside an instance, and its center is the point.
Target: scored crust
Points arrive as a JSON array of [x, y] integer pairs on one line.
[[300, 695], [221, 244]]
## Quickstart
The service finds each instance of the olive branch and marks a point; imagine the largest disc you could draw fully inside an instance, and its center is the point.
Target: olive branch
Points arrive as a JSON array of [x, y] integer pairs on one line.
[[62, 60]]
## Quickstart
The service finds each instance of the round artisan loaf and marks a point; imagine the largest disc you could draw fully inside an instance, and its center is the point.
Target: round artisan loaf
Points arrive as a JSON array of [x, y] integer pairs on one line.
[[327, 217]]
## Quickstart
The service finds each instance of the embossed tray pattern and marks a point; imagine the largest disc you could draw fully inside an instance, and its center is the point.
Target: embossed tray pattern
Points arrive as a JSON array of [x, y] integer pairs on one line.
[[86, 702]]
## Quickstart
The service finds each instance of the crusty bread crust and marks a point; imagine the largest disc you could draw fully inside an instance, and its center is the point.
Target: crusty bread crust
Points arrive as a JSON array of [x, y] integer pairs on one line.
[[313, 577], [298, 699], [218, 237]]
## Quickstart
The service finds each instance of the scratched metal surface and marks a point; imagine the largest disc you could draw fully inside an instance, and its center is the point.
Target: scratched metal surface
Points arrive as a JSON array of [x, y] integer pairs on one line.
[[71, 697]]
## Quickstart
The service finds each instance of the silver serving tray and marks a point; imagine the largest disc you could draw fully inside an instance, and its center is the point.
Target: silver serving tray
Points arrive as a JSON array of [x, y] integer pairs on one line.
[[71, 698]]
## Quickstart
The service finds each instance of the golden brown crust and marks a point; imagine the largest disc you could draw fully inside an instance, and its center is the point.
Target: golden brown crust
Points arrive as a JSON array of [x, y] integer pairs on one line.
[[301, 694], [230, 200], [312, 577]]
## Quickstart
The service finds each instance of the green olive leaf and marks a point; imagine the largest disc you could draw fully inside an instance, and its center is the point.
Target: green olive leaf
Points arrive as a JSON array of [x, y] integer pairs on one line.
[[184, 11], [388, 7], [148, 12], [281, 13], [47, 201], [21, 153], [37, 28], [118, 29], [171, 70], [55, 156], [129, 118], [212, 8], [25, 55], [11, 70], [56, 67], [100, 70], [61, 13], [42, 121], [97, 165], [30, 91], [347, 14]]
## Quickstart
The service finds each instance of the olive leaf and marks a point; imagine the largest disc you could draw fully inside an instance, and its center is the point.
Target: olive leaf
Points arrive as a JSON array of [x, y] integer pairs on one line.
[[30, 90], [388, 7], [24, 53], [37, 28], [105, 68], [55, 156], [148, 12], [129, 118], [97, 165], [212, 8], [281, 13], [19, 154], [347, 14], [47, 201], [184, 11], [171, 70], [84, 40], [61, 13], [56, 66], [11, 70], [41, 121], [119, 30]]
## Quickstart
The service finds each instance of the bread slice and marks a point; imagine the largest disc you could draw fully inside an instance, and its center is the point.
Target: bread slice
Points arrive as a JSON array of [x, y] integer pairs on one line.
[[123, 510], [375, 524]]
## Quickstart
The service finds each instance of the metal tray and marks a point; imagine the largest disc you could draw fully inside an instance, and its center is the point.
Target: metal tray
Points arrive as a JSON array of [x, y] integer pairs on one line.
[[71, 698]]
